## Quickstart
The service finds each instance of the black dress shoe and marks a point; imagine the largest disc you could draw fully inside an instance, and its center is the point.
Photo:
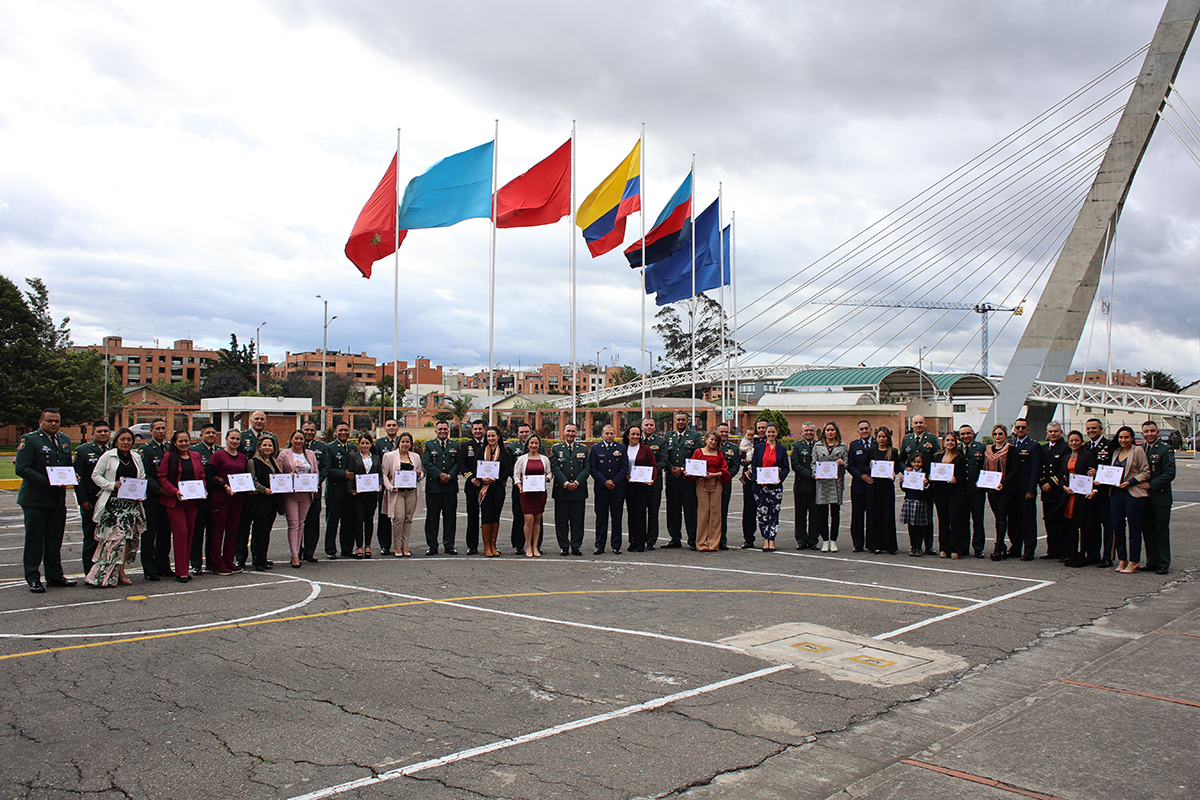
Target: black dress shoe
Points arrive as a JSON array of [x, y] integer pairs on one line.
[[37, 588], [1049, 556], [1104, 563], [722, 547], [471, 551], [1013, 552], [671, 545], [747, 545], [330, 557], [183, 578], [311, 559], [1027, 557], [260, 567], [1162, 570], [649, 547], [152, 577], [197, 571], [576, 552], [599, 551], [432, 552], [857, 550], [563, 552], [450, 551], [979, 555], [616, 551], [60, 582]]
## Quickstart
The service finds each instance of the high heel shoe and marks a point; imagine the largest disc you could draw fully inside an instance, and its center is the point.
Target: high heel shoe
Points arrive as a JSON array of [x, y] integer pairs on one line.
[[1130, 568], [358, 553], [366, 552], [1121, 565], [295, 563]]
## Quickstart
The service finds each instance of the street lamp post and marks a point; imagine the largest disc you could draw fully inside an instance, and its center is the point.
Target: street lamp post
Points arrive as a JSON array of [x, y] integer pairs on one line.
[[324, 348], [600, 374], [257, 358]]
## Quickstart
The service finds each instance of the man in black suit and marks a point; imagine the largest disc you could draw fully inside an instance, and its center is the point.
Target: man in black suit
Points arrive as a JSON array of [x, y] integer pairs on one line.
[[856, 462], [1054, 499], [468, 459], [1030, 454], [1100, 535]]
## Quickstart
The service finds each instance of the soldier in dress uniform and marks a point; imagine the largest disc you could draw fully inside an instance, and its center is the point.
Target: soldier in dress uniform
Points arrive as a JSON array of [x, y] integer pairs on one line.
[[571, 467], [1156, 520], [681, 493], [338, 513], [312, 522], [733, 462], [657, 443], [919, 440], [804, 488], [44, 506], [856, 463], [385, 444], [440, 460], [86, 490], [249, 446], [609, 465], [1030, 454], [1100, 533], [469, 453], [156, 541], [1054, 499], [976, 497], [516, 450], [202, 532]]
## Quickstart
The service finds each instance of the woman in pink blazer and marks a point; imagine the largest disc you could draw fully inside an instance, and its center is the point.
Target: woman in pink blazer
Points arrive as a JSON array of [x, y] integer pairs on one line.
[[180, 464], [297, 460]]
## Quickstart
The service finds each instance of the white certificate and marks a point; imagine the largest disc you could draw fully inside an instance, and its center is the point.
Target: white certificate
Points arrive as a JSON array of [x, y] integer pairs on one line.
[[1109, 476], [883, 469], [61, 476], [941, 471], [641, 475], [132, 489], [241, 482], [768, 475], [405, 479], [192, 490], [1081, 484], [989, 479], [281, 483], [487, 469], [913, 479], [306, 482], [695, 466], [534, 483], [825, 470], [367, 483]]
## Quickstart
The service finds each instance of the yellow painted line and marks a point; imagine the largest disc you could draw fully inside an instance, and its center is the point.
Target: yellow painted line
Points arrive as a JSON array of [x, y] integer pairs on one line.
[[315, 615]]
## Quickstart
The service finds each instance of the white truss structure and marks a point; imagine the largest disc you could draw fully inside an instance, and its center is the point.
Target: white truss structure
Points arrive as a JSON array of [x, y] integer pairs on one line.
[[1115, 398]]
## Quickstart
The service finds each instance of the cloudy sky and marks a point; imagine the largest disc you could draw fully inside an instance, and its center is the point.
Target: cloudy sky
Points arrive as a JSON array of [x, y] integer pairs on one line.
[[180, 171]]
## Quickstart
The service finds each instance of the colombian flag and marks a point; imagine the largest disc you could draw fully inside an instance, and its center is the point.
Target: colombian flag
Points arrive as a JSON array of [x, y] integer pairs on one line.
[[602, 214]]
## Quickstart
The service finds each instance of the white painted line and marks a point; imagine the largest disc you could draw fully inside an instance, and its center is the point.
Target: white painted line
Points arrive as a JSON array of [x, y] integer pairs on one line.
[[316, 590], [903, 565], [962, 611], [148, 597], [1185, 505], [503, 744]]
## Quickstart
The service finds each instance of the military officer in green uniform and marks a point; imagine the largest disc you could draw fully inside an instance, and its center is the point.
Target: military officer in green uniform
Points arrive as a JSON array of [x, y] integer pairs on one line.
[[733, 460], [44, 506], [440, 460], [312, 522], [570, 465], [1156, 520], [384, 444], [250, 437], [86, 490], [804, 488], [681, 493], [336, 468], [657, 443], [516, 450], [976, 497], [919, 440], [202, 531], [156, 541]]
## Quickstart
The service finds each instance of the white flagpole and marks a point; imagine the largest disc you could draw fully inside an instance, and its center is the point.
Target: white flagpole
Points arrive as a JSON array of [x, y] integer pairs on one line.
[[396, 290], [721, 291], [492, 288], [571, 233], [642, 202], [695, 304], [733, 268]]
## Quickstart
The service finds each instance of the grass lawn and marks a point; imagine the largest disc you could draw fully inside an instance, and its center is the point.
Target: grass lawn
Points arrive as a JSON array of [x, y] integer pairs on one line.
[[6, 468]]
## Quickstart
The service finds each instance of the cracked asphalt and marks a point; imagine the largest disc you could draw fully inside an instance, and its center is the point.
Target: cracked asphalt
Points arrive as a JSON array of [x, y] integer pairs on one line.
[[413, 677]]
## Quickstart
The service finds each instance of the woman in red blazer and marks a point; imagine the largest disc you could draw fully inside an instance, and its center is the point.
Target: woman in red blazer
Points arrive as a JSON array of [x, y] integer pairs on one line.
[[180, 464]]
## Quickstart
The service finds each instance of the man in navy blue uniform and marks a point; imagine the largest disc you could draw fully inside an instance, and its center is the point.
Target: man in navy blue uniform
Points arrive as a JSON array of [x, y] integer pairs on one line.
[[1100, 534], [1030, 454], [610, 468], [856, 462]]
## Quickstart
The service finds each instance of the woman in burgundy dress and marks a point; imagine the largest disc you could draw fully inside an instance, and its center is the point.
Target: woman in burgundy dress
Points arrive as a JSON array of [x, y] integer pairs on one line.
[[226, 506], [533, 504]]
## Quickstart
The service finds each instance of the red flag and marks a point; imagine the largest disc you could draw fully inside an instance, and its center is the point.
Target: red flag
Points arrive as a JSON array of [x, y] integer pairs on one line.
[[542, 196], [374, 234]]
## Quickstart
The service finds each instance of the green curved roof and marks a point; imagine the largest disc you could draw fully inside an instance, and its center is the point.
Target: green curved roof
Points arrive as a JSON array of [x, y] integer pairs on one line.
[[965, 384], [845, 376], [893, 379]]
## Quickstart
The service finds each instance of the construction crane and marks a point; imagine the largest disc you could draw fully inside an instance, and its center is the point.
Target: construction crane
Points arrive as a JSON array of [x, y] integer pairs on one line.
[[982, 309]]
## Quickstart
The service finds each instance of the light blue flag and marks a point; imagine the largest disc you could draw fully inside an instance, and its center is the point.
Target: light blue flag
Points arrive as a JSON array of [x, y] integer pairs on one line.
[[456, 188]]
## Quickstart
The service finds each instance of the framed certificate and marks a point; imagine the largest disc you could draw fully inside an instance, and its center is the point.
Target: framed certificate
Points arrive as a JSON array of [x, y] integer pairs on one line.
[[825, 470], [1081, 484], [132, 489], [941, 471], [697, 467], [1109, 476], [241, 482], [281, 483], [61, 476], [768, 475], [405, 479], [193, 490], [641, 475], [883, 469], [534, 483], [989, 479], [486, 469], [367, 483], [913, 479], [306, 482]]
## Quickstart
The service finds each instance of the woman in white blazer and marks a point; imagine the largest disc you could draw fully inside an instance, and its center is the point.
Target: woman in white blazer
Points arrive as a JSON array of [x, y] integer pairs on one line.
[[296, 460], [399, 505], [119, 522]]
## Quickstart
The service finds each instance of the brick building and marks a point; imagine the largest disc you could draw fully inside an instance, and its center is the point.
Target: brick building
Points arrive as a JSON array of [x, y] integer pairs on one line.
[[360, 368], [1098, 376], [179, 363], [423, 373], [550, 378]]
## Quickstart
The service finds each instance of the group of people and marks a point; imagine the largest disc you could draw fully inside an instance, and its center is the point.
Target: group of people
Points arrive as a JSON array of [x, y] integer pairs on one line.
[[368, 494]]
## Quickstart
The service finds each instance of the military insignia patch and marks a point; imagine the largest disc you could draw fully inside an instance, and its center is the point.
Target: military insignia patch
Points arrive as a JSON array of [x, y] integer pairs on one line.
[[21, 446]]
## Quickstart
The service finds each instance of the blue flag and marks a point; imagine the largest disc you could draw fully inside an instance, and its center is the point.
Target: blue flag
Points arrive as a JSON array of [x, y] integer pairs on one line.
[[671, 278], [456, 188]]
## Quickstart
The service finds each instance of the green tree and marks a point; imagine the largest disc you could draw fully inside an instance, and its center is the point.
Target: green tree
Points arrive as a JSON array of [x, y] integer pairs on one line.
[[705, 315], [1160, 381], [778, 418], [235, 359], [225, 384], [460, 407], [626, 374]]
